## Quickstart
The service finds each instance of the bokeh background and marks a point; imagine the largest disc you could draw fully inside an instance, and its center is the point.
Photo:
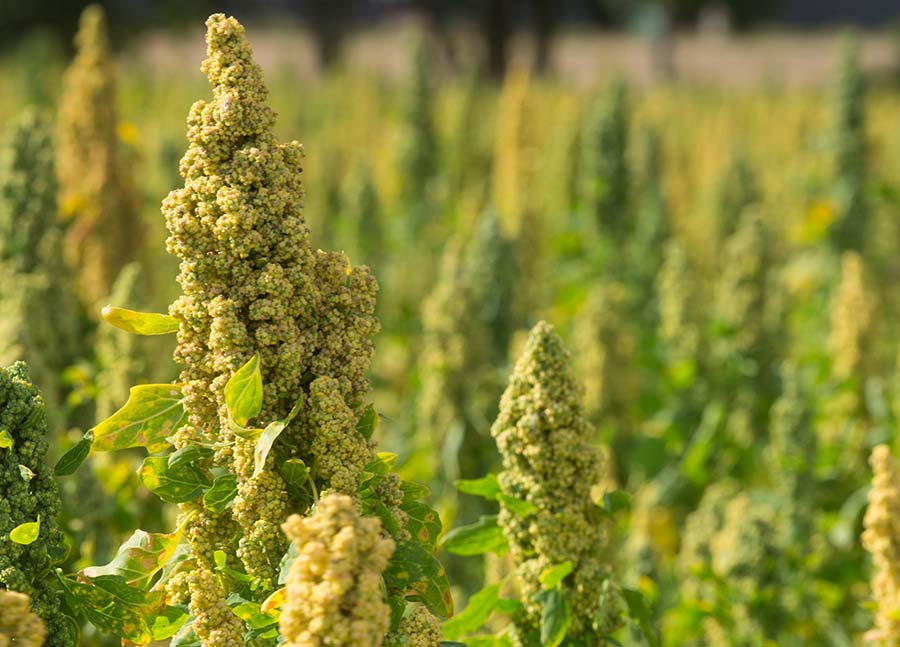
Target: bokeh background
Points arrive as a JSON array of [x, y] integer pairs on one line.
[[703, 198]]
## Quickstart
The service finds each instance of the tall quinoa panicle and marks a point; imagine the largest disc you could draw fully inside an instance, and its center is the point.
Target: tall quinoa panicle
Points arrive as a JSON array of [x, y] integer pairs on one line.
[[850, 229], [678, 327], [548, 461], [27, 568], [95, 176], [333, 588], [252, 284], [882, 539], [736, 190], [606, 353], [29, 233], [19, 627], [852, 309], [605, 175], [31, 251]]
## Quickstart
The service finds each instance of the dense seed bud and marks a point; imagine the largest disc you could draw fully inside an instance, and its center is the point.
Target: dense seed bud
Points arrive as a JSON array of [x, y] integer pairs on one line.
[[852, 309], [19, 627], [882, 539], [28, 493], [253, 284], [850, 229], [418, 147], [736, 190], [95, 176], [548, 461], [606, 353], [605, 176], [679, 329], [333, 590], [39, 309]]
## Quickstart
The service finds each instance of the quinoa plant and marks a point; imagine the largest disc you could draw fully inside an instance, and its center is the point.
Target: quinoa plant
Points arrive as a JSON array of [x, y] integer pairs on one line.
[[850, 229], [881, 539], [31, 543], [95, 176], [418, 152], [39, 310], [557, 533], [607, 359], [269, 330], [605, 174], [736, 190], [852, 310], [18, 625], [335, 582], [651, 230], [363, 215]]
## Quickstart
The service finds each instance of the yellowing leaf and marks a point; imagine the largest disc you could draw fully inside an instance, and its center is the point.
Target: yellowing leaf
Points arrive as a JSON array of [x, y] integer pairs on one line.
[[152, 414], [26, 533], [139, 323]]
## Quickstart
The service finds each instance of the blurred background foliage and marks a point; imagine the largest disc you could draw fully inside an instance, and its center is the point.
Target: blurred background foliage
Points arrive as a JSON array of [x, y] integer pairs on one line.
[[719, 251]]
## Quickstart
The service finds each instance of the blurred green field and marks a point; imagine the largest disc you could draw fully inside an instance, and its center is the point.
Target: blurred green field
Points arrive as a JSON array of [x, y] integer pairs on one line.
[[720, 260]]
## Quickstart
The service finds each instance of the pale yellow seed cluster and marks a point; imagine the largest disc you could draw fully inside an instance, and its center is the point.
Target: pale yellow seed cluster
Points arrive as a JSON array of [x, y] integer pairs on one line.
[[548, 461], [19, 627], [741, 290], [334, 587], [606, 352], [214, 620], [95, 174], [418, 628], [339, 451], [852, 308], [882, 539], [677, 304], [252, 283]]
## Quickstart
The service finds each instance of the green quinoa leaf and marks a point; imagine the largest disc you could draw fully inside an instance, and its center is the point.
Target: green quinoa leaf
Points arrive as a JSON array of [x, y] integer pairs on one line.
[[556, 615], [152, 414], [6, 440], [74, 457], [476, 613], [172, 485], [141, 557], [139, 323], [221, 494], [368, 422], [295, 473], [113, 607], [26, 533], [244, 392], [188, 454], [168, 623], [413, 491], [614, 502], [424, 523], [640, 613], [517, 506], [486, 487], [269, 435], [415, 570], [483, 536], [555, 574]]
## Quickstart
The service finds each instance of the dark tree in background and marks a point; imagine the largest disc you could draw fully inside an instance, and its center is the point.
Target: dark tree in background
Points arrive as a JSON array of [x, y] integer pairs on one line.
[[496, 27]]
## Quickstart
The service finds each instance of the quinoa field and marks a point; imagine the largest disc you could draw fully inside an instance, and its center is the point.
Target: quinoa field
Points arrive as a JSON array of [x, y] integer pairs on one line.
[[432, 359]]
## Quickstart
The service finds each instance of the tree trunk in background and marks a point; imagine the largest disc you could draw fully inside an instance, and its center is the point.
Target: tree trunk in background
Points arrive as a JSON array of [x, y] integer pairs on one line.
[[327, 21], [544, 17], [496, 24]]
